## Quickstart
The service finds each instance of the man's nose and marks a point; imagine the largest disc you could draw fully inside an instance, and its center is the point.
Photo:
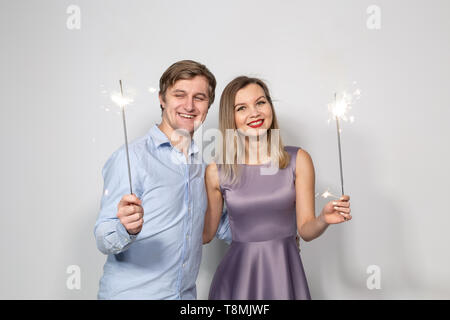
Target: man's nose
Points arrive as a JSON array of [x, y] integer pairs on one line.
[[189, 106]]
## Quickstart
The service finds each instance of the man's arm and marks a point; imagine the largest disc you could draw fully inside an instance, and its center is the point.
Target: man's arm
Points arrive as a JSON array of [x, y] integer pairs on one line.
[[224, 231], [111, 235]]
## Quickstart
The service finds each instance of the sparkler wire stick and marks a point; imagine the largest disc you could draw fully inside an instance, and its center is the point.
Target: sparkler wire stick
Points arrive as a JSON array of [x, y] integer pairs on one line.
[[339, 146], [125, 134]]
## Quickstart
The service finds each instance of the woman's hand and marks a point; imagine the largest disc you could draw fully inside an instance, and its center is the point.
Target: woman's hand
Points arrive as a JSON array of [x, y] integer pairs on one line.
[[336, 211]]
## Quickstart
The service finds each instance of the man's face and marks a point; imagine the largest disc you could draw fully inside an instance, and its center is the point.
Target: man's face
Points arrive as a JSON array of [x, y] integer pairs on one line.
[[185, 105]]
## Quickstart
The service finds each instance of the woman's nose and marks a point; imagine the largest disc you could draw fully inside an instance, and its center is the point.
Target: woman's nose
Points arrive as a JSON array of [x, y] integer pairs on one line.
[[254, 111]]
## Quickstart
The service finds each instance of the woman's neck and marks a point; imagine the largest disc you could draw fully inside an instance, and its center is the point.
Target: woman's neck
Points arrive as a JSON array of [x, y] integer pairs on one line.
[[255, 151]]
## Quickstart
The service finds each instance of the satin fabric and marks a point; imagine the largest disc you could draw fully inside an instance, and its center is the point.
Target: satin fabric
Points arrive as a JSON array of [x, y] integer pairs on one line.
[[263, 261]]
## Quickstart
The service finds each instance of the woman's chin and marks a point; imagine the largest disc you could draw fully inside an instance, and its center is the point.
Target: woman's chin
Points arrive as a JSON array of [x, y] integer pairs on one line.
[[253, 132]]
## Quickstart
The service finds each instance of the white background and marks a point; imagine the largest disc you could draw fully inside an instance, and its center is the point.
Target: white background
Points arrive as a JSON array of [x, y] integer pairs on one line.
[[56, 134]]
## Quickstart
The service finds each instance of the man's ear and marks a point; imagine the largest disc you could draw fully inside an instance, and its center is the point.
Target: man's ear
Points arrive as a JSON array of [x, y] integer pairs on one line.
[[161, 101]]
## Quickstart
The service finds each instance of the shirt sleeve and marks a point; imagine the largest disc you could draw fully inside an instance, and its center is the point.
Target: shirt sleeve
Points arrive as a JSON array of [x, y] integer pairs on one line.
[[110, 235], [223, 231]]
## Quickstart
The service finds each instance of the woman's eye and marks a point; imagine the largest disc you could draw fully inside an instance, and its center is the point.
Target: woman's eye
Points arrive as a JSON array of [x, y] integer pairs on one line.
[[240, 108], [261, 102]]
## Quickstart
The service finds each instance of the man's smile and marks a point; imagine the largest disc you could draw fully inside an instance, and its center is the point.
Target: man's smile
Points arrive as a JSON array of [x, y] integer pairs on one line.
[[186, 115]]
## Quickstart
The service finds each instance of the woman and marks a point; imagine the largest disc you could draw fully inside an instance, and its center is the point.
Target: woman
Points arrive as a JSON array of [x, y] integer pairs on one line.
[[269, 193]]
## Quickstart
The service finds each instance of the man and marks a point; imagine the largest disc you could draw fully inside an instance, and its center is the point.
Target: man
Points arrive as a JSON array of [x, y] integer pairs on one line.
[[153, 238]]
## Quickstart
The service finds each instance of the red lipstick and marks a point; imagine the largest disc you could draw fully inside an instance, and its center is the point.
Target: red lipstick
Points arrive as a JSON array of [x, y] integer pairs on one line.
[[256, 124]]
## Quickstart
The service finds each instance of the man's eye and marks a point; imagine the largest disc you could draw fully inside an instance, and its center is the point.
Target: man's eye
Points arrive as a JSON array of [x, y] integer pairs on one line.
[[180, 95], [200, 98]]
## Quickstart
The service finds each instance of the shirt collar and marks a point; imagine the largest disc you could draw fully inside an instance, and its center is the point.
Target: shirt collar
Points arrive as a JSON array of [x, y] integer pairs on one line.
[[161, 139], [158, 136]]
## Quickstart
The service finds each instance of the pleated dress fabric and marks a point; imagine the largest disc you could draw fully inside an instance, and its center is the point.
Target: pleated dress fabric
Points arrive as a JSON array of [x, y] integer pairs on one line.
[[263, 261]]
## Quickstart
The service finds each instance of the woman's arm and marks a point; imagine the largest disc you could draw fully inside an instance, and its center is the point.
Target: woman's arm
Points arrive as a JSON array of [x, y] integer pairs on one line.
[[215, 203], [308, 225]]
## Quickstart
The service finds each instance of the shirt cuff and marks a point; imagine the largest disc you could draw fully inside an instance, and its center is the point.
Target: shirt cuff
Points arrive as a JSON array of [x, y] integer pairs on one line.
[[124, 236]]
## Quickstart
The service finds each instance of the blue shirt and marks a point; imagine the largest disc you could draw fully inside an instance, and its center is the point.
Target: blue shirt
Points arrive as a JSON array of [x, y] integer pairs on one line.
[[163, 260]]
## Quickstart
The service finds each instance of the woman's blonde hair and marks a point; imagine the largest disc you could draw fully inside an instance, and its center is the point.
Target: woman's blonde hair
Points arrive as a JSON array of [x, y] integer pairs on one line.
[[229, 170]]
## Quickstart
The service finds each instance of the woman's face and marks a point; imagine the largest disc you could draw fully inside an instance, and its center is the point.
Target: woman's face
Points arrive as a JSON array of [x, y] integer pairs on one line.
[[252, 110]]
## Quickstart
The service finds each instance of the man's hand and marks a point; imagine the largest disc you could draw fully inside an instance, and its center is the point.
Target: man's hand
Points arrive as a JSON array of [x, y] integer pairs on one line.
[[130, 213]]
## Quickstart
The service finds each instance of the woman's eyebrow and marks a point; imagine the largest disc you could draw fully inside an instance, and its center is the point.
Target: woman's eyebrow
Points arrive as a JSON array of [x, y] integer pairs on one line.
[[242, 103]]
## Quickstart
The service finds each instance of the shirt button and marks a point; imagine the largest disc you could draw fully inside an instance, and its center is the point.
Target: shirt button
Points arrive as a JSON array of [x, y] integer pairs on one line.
[[184, 264]]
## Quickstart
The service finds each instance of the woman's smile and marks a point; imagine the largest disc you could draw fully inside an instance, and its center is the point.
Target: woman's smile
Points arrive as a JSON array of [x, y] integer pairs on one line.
[[256, 124]]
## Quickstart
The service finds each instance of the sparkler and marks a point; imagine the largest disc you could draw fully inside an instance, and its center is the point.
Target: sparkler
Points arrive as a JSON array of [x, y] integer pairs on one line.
[[339, 110], [122, 102]]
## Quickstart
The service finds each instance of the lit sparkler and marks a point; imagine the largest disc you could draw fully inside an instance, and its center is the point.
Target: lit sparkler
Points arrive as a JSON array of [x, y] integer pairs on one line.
[[122, 101], [339, 110]]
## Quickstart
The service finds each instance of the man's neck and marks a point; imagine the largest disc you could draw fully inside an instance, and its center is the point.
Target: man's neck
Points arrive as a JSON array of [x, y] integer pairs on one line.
[[179, 141]]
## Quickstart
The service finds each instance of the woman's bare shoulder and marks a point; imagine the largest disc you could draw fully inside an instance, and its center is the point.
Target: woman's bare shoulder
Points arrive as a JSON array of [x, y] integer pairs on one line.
[[304, 163]]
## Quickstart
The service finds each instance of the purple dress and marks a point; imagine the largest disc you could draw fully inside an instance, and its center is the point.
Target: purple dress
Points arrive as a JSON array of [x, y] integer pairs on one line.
[[263, 261]]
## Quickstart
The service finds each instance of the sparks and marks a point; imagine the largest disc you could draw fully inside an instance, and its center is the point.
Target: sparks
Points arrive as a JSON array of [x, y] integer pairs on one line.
[[120, 100], [327, 194], [342, 105]]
